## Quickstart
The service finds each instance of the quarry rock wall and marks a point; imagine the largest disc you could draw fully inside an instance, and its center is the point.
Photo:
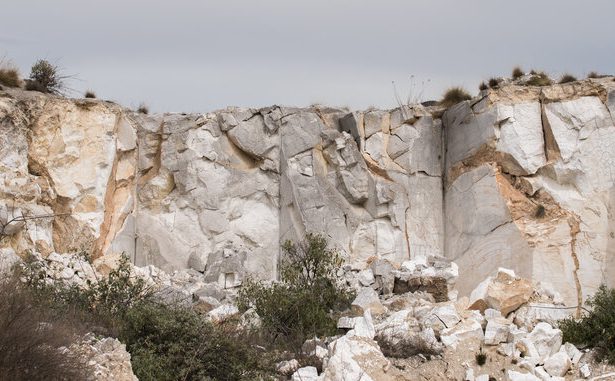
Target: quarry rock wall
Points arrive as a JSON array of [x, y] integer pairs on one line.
[[520, 177]]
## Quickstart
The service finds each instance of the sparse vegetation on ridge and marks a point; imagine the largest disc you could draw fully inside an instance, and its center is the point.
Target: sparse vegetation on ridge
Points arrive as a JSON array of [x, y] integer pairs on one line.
[[90, 94], [483, 86], [539, 79], [9, 75], [567, 78], [517, 73], [454, 95], [494, 83], [143, 109]]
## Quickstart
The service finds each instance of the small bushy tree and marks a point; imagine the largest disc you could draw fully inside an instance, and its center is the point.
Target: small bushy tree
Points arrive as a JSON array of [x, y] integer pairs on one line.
[[597, 328], [45, 77], [303, 303]]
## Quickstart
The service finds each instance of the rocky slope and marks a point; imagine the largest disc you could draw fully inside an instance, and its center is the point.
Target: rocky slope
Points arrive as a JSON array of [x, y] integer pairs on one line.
[[520, 177]]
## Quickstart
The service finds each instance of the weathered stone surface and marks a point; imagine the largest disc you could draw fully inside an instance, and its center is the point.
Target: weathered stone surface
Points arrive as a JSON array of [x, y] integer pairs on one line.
[[308, 373], [383, 185], [367, 300], [497, 331], [504, 292], [107, 359], [546, 339], [357, 358], [558, 364]]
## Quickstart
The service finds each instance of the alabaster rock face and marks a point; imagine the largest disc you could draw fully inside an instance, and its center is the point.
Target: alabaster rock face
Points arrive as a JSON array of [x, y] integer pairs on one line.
[[520, 178]]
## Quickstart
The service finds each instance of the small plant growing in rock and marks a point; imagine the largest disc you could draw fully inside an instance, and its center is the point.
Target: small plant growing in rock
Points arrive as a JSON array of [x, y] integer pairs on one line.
[[143, 109], [90, 94], [517, 73], [483, 86], [540, 211], [597, 328], [45, 78], [567, 78], [494, 83], [539, 79], [480, 357], [453, 96]]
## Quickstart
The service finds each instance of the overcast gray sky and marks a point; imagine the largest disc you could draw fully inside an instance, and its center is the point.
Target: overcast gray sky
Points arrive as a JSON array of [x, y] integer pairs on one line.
[[189, 55]]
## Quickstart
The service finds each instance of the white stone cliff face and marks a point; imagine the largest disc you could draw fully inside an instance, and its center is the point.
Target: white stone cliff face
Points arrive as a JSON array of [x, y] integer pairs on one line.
[[219, 192]]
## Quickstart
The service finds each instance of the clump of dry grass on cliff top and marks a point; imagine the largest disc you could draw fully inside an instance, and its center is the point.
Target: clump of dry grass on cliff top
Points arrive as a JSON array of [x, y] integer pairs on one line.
[[9, 75], [539, 79], [567, 78], [517, 73], [453, 96], [595, 75], [90, 94], [143, 109]]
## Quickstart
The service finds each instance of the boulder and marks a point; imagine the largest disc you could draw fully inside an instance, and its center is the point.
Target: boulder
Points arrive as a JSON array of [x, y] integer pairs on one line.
[[287, 368], [468, 331], [308, 373], [558, 364], [367, 299], [222, 313], [497, 331], [505, 292], [573, 353], [357, 358], [546, 339]]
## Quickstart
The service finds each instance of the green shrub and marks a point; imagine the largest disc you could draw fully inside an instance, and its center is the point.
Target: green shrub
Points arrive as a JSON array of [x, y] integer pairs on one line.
[[102, 303], [597, 328], [166, 341], [539, 79], [567, 78], [45, 77], [517, 73], [9, 76], [453, 96], [176, 343], [494, 83], [302, 304], [483, 86]]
